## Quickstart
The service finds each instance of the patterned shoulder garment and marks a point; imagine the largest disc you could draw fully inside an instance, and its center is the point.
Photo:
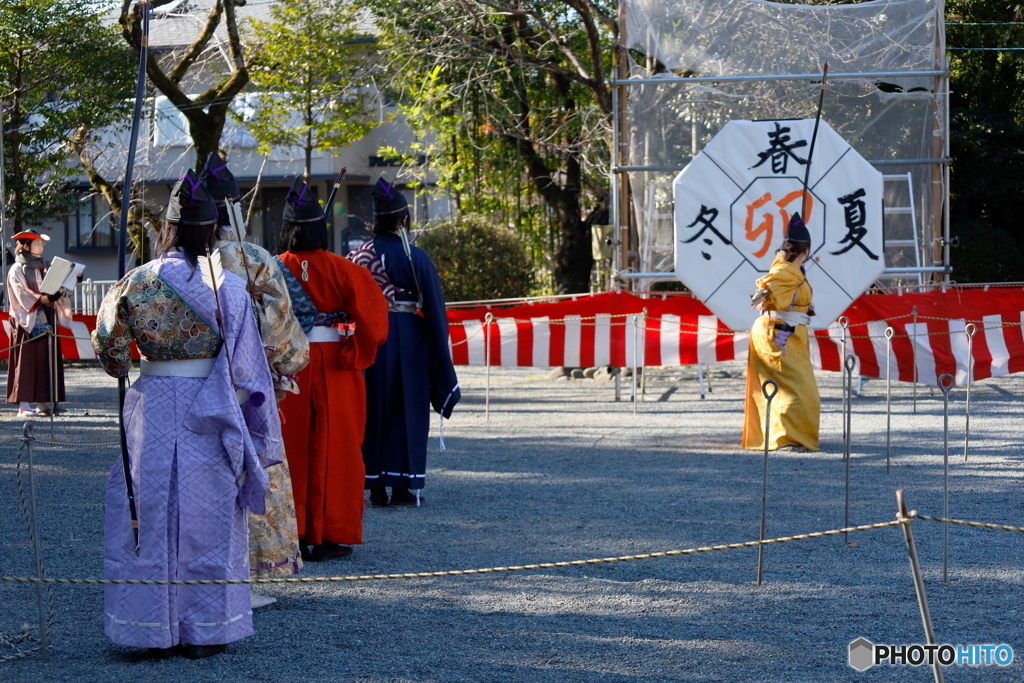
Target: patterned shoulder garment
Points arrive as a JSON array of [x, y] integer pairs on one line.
[[302, 305], [367, 257]]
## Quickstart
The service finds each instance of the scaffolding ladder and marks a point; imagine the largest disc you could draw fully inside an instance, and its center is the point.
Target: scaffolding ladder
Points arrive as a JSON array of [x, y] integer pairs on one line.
[[647, 260], [892, 270]]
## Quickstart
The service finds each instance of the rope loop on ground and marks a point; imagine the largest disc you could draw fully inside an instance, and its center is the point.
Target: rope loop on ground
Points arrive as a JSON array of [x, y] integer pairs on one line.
[[29, 634]]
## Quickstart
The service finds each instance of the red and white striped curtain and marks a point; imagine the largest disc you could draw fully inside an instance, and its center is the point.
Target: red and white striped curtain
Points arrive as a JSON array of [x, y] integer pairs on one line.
[[75, 343], [619, 329], [622, 330]]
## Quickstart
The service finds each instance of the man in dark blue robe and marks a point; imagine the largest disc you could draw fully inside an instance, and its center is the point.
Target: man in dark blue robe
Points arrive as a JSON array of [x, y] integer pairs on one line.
[[413, 371]]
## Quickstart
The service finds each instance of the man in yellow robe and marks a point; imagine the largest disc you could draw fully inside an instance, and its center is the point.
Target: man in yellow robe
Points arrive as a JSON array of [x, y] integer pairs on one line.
[[779, 351]]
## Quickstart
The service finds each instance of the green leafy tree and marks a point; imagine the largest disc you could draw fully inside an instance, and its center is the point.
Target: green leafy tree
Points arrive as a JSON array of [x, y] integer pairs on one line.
[[61, 72], [502, 92], [987, 139], [310, 76], [476, 260]]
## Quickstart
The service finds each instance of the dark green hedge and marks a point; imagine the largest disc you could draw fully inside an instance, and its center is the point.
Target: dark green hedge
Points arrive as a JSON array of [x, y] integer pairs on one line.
[[477, 260]]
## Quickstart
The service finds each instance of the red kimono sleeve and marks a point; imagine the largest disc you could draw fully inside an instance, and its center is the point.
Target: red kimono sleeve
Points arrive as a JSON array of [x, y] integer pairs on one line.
[[366, 305]]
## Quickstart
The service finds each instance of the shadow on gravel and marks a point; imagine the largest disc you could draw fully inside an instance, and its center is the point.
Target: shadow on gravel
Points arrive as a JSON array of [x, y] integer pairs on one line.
[[563, 473]]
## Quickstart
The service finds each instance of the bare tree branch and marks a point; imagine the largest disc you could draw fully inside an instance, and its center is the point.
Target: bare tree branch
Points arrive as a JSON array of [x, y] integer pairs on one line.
[[196, 48], [207, 113]]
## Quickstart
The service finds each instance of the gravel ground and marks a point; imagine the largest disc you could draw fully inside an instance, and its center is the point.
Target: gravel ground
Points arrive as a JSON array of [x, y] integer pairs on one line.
[[563, 472]]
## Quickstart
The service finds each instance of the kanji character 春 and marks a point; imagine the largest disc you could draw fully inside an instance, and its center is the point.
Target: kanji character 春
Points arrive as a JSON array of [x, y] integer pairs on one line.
[[780, 150]]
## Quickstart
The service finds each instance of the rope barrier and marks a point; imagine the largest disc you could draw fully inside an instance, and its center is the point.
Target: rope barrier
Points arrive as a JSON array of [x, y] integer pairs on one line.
[[982, 323], [43, 336], [68, 444], [460, 572], [590, 321], [979, 525], [518, 568], [466, 340], [904, 518], [30, 339], [526, 301], [64, 444], [514, 568]]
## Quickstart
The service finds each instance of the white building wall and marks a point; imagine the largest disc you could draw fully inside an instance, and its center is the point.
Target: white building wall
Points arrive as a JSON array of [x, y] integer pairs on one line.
[[164, 153]]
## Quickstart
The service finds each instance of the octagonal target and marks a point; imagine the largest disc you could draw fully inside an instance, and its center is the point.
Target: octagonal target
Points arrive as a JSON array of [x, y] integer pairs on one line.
[[733, 203]]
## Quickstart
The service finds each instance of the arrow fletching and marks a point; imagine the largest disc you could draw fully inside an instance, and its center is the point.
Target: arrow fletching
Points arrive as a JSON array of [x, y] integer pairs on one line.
[[212, 271], [236, 219]]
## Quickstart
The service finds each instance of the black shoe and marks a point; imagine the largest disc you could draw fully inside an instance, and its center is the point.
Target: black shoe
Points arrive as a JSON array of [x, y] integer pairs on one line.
[[304, 551], [329, 551], [201, 651], [162, 652], [403, 498], [379, 498]]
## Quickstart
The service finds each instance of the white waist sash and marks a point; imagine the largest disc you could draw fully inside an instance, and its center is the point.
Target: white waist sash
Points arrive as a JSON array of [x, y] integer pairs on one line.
[[187, 367], [323, 334], [793, 318]]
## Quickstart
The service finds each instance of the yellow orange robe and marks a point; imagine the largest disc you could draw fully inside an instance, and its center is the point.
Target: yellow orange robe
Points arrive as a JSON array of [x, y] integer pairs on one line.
[[796, 408]]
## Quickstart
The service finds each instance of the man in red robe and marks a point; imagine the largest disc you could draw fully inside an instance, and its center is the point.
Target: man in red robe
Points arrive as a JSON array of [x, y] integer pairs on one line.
[[345, 317]]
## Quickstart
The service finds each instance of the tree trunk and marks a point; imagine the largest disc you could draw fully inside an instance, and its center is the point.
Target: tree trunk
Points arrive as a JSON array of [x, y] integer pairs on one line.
[[206, 113], [574, 259], [206, 131], [112, 194], [16, 173], [307, 169]]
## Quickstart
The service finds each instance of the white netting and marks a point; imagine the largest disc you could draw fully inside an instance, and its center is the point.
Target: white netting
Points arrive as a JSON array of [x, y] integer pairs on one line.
[[885, 118]]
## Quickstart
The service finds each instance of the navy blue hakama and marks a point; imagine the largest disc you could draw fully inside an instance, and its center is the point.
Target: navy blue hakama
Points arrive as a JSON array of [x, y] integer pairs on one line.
[[412, 373]]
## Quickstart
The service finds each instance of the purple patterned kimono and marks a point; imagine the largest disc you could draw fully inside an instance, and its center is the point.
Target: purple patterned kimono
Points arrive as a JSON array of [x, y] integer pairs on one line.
[[197, 457]]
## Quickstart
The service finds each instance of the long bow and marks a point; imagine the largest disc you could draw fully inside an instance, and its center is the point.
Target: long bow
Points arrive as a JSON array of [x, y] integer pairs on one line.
[[814, 138], [329, 205], [122, 248]]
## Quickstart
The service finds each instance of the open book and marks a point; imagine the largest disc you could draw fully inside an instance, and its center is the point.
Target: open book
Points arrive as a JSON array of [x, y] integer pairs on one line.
[[61, 273]]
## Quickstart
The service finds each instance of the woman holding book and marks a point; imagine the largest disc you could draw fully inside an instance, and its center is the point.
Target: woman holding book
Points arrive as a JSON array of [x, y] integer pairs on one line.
[[36, 364]]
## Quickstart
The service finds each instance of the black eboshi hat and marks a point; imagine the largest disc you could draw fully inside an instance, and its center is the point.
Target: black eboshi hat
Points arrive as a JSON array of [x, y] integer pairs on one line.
[[387, 199], [190, 203], [796, 231], [301, 205]]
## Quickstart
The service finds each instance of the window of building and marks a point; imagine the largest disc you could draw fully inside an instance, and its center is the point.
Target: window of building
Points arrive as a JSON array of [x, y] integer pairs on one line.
[[396, 161], [88, 227]]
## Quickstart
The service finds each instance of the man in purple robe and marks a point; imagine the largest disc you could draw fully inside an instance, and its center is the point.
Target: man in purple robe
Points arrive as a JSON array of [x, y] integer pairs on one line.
[[201, 425]]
